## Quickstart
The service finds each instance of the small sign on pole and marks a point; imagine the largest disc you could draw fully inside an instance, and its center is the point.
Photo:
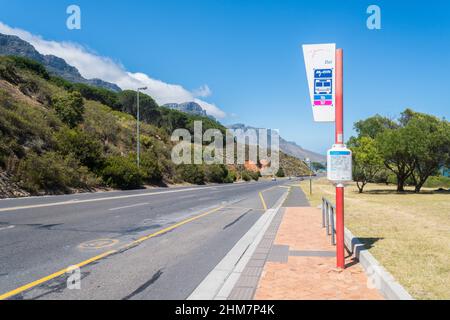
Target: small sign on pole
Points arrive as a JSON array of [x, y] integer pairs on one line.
[[339, 162], [320, 71]]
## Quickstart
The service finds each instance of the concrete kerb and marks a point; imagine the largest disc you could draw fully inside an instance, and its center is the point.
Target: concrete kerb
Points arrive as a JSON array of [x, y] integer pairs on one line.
[[219, 283], [378, 276]]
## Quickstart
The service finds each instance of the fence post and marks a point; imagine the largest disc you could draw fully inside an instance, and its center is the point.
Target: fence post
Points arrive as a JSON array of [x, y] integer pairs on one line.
[[328, 218], [324, 203], [333, 241]]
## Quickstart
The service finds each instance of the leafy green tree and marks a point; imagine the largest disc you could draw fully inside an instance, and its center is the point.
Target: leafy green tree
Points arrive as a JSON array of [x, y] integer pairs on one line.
[[398, 154], [429, 138], [69, 108], [318, 166], [373, 126], [367, 161], [171, 119], [148, 108]]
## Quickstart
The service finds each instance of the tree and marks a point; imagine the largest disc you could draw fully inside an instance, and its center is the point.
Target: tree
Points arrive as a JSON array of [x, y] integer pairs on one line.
[[69, 108], [318, 166], [430, 139], [148, 108], [367, 161], [398, 154], [373, 126]]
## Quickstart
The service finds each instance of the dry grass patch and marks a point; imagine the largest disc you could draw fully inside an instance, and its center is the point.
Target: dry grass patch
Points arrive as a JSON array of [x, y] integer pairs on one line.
[[408, 233]]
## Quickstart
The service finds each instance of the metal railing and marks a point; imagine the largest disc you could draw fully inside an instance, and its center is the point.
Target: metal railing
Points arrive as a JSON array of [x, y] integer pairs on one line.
[[328, 214]]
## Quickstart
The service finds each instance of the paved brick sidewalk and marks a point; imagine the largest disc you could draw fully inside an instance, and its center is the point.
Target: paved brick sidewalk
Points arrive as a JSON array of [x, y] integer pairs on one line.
[[295, 260]]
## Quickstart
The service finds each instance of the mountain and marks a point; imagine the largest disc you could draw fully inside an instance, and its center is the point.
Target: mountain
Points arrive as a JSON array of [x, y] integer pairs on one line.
[[189, 107], [290, 148], [60, 137], [14, 46]]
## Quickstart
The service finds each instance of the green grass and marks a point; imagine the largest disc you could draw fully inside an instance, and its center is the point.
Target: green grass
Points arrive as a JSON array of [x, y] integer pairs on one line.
[[408, 233]]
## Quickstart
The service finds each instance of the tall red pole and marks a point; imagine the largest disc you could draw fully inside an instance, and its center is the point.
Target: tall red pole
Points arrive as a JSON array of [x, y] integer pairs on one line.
[[340, 254]]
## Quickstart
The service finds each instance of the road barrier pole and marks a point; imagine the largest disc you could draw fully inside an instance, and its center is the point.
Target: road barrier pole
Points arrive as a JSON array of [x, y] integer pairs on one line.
[[340, 254]]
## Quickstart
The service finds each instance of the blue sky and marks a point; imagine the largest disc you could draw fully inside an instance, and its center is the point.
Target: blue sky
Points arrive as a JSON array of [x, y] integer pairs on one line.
[[248, 53]]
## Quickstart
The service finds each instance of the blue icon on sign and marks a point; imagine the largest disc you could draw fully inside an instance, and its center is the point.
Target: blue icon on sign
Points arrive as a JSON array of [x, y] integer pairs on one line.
[[323, 81], [322, 86], [323, 73]]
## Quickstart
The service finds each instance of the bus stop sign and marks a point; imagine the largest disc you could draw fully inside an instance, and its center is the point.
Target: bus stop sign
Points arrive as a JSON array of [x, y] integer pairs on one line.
[[339, 161], [320, 71]]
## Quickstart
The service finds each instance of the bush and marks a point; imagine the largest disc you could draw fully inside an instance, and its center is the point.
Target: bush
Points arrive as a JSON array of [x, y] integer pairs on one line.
[[437, 182], [280, 173], [85, 148], [52, 172], [33, 66], [231, 177], [150, 168], [245, 175], [255, 175], [192, 173], [9, 73], [69, 108], [216, 173], [122, 172]]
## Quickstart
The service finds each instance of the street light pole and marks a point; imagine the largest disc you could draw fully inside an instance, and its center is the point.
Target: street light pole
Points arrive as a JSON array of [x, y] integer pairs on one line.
[[138, 147], [310, 175]]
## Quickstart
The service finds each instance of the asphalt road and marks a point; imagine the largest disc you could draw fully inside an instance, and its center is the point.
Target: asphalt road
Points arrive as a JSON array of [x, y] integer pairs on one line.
[[145, 244]]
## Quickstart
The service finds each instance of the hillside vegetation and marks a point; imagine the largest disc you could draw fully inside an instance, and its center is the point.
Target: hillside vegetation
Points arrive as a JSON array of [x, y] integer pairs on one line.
[[57, 136]]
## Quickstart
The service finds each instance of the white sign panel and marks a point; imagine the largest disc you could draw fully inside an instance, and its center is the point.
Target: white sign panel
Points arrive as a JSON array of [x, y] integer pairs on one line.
[[339, 161], [320, 71]]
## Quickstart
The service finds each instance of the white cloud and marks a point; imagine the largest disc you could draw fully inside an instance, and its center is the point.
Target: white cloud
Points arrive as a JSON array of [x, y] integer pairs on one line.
[[203, 92], [92, 65]]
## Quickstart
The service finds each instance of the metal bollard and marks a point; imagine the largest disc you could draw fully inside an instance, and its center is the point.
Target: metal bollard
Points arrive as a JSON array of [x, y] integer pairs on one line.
[[333, 230], [324, 203], [328, 218]]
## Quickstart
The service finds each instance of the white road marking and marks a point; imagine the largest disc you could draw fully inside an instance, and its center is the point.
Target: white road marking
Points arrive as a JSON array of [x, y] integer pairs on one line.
[[71, 202], [6, 228], [131, 206]]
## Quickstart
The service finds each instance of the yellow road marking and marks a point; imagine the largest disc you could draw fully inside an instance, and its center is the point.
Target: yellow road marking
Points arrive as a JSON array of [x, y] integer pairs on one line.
[[262, 200], [101, 256], [52, 276]]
